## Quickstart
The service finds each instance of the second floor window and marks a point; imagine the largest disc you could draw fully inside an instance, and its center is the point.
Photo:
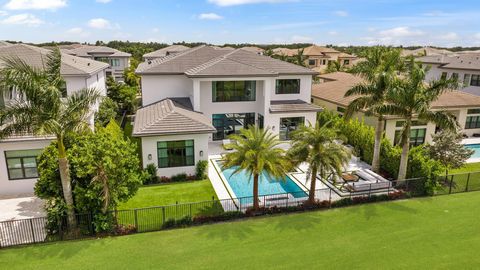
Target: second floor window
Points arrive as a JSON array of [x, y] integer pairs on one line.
[[227, 91], [115, 62], [475, 81], [288, 86]]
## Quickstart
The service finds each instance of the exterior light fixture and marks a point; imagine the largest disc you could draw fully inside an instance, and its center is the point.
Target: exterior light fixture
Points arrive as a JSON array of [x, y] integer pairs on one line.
[[149, 156], [201, 153]]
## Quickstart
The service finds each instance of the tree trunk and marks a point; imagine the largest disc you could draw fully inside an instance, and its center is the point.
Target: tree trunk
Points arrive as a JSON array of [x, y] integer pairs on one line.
[[402, 172], [313, 182], [255, 192], [378, 144], [66, 182]]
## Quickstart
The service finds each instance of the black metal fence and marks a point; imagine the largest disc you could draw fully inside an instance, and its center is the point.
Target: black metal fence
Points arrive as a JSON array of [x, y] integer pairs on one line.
[[34, 230]]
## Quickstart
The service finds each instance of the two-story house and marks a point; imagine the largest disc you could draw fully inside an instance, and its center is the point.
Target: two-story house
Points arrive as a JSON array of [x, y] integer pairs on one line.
[[464, 67], [318, 57], [117, 60], [206, 93], [330, 94], [18, 164]]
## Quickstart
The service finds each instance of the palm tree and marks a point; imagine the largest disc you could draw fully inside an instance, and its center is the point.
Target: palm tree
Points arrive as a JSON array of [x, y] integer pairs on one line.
[[412, 98], [256, 152], [334, 66], [42, 111], [300, 58], [316, 146], [378, 71]]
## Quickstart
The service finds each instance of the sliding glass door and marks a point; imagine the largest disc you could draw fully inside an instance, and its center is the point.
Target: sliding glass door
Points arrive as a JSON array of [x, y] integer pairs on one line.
[[231, 123], [287, 125]]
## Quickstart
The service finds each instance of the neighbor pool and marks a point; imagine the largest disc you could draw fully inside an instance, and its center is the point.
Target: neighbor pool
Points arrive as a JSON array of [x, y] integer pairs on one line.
[[242, 184], [474, 147]]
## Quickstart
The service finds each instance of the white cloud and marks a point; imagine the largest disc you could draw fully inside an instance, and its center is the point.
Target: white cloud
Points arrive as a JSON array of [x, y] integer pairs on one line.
[[77, 32], [225, 3], [301, 39], [332, 33], [401, 31], [341, 13], [22, 19], [209, 16], [451, 36], [100, 23], [35, 4], [401, 35], [103, 1], [3, 13]]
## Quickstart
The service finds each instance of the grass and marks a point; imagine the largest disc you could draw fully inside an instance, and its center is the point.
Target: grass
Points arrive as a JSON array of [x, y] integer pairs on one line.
[[469, 174], [469, 167], [438, 233], [181, 192]]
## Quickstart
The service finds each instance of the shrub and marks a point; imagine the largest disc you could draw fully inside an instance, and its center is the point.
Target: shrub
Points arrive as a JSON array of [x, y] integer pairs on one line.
[[201, 169], [225, 216], [106, 112], [183, 222], [125, 229], [179, 177], [151, 174]]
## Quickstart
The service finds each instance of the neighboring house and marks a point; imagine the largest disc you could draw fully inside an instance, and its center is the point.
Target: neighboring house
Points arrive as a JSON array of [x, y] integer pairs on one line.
[[425, 51], [254, 49], [464, 67], [318, 57], [173, 49], [18, 167], [330, 94], [206, 93], [117, 60], [285, 51]]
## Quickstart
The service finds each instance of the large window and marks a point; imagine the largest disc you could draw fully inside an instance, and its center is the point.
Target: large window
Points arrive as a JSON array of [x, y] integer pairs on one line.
[[175, 154], [288, 125], [472, 122], [115, 62], [287, 86], [475, 81], [225, 91], [231, 123], [466, 80], [22, 164], [311, 62], [417, 136]]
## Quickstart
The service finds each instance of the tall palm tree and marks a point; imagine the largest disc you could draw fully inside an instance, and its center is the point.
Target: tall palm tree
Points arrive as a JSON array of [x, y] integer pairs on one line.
[[316, 145], [334, 66], [256, 152], [412, 98], [378, 71], [300, 58], [41, 110]]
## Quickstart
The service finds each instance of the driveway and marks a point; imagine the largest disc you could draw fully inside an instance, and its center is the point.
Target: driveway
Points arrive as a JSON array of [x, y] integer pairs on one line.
[[21, 208]]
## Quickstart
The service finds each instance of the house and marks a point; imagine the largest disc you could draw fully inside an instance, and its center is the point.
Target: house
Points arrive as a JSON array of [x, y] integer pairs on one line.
[[173, 49], [464, 67], [285, 51], [425, 51], [330, 94], [4, 43], [194, 99], [18, 168], [318, 57], [117, 60]]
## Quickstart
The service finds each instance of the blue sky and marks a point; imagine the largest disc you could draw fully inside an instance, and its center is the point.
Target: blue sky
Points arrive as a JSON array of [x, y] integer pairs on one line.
[[341, 22]]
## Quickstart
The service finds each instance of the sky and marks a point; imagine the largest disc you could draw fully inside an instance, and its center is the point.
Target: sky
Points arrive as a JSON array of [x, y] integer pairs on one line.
[[339, 22]]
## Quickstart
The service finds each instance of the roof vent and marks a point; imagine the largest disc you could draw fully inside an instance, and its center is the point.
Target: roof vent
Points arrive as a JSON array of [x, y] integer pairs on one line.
[[149, 62], [88, 64]]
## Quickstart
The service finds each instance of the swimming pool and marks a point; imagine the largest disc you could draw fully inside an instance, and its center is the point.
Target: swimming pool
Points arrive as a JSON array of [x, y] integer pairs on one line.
[[474, 147], [242, 184]]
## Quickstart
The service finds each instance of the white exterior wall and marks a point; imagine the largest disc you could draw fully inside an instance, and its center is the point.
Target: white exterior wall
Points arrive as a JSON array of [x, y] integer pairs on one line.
[[149, 147], [22, 186], [158, 87], [435, 73], [305, 89]]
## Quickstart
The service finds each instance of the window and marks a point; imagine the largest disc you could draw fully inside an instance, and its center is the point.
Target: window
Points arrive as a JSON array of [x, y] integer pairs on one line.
[[115, 62], [226, 91], [444, 75], [22, 164], [346, 62], [324, 62], [340, 110], [473, 111], [414, 123], [175, 154], [311, 62], [475, 80], [287, 125], [288, 86], [417, 136], [231, 123], [260, 121], [455, 76], [466, 79]]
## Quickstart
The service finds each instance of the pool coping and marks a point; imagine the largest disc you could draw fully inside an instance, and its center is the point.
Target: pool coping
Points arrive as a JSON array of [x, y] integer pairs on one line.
[[471, 141]]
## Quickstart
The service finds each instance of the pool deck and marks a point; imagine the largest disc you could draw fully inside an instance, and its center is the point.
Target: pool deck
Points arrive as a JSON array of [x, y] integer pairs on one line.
[[472, 141]]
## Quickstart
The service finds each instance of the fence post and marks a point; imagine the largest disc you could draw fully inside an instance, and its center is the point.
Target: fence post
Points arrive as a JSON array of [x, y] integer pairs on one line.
[[136, 218], [163, 215], [33, 231], [191, 209], [451, 182], [468, 180]]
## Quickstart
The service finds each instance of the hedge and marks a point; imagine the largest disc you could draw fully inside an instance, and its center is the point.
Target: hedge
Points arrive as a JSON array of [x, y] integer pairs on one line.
[[362, 138]]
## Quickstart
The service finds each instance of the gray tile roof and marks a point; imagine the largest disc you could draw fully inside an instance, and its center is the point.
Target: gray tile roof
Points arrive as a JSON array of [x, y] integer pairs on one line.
[[207, 61], [166, 51], [90, 50], [169, 117], [281, 106], [4, 43], [462, 61], [36, 56]]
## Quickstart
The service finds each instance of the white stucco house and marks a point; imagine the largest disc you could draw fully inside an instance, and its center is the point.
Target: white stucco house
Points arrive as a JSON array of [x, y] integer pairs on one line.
[[18, 165], [464, 67], [117, 60], [206, 93], [330, 94]]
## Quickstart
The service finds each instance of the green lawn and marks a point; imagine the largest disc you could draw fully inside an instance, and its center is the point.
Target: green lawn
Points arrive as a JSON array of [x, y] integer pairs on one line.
[[469, 167], [436, 233], [128, 130], [181, 192], [469, 174]]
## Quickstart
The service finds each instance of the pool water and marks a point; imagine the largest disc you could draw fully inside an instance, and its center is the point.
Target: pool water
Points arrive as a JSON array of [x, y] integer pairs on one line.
[[474, 147], [241, 184]]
